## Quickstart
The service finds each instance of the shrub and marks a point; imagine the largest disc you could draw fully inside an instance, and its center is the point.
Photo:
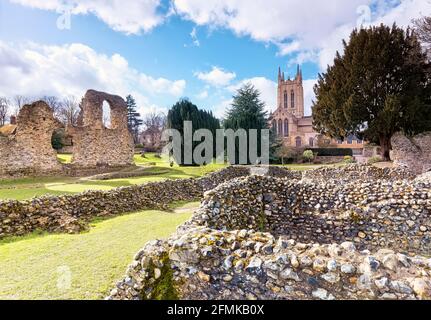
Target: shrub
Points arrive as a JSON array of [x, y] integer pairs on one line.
[[374, 160], [308, 155], [332, 152], [349, 159]]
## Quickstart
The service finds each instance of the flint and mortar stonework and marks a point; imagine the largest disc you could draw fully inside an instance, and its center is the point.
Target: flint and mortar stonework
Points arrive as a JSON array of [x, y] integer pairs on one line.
[[28, 150], [413, 153], [263, 237], [71, 213], [94, 144]]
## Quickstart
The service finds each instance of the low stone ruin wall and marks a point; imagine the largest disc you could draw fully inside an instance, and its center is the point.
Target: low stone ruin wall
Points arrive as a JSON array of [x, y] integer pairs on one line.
[[261, 237], [358, 172], [412, 152], [371, 214], [207, 264], [69, 213]]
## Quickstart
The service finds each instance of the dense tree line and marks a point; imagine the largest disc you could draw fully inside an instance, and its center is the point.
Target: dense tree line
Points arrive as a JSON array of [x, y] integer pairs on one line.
[[185, 110]]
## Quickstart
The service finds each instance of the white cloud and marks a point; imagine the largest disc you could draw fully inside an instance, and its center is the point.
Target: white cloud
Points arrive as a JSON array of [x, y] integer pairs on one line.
[[130, 17], [309, 95], [35, 70], [266, 87], [220, 110], [202, 95], [311, 30], [217, 77]]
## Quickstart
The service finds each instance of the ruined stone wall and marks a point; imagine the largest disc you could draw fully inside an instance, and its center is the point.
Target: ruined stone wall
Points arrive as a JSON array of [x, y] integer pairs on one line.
[[70, 213], [93, 143], [208, 264], [371, 214], [29, 151], [412, 152], [261, 237]]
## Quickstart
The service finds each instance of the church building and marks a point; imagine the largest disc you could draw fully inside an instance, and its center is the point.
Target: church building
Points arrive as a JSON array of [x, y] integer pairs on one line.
[[293, 126]]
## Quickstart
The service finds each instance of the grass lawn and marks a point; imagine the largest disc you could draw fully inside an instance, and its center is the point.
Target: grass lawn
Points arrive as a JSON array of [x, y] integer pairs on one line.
[[32, 267], [27, 188]]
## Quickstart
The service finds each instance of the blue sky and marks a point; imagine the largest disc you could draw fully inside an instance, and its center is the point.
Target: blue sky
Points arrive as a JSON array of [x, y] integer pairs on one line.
[[161, 50]]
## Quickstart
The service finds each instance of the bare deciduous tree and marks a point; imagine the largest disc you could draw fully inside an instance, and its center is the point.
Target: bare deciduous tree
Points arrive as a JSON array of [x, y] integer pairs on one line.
[[20, 101], [4, 110], [423, 30], [155, 121], [54, 103], [69, 111]]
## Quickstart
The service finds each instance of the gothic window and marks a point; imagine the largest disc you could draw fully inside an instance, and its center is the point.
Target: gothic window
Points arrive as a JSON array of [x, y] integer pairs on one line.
[[298, 141], [292, 98], [311, 142], [285, 99], [274, 125], [280, 127], [286, 128]]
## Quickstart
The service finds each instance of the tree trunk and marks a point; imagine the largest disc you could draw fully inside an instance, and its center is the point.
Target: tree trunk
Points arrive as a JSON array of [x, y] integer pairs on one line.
[[385, 145]]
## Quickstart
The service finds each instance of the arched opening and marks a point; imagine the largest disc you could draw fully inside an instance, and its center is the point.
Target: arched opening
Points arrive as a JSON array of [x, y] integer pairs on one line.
[[285, 99], [298, 141], [286, 128], [106, 117], [280, 127], [311, 142], [274, 126]]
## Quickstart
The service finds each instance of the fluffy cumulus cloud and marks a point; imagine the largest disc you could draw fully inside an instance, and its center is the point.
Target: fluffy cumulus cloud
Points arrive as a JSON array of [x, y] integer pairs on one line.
[[217, 77], [130, 17], [35, 70], [307, 29]]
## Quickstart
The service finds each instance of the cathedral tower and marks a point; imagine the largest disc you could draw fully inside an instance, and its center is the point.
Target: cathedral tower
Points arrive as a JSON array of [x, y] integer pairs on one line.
[[290, 95]]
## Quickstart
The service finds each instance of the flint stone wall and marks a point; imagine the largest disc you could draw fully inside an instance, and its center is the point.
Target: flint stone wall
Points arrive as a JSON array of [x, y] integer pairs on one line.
[[413, 153], [261, 237], [29, 150], [373, 214], [70, 213], [358, 172], [94, 144], [208, 264]]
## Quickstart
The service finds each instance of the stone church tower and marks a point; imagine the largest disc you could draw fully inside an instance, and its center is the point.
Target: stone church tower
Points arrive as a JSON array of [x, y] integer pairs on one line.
[[291, 94], [289, 120], [292, 125]]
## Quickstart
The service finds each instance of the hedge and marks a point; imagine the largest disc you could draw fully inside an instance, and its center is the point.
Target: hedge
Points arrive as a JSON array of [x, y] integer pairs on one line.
[[332, 152]]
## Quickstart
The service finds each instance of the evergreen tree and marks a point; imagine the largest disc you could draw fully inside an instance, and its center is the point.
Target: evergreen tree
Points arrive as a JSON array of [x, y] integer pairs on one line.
[[378, 86], [134, 120], [248, 112], [185, 110]]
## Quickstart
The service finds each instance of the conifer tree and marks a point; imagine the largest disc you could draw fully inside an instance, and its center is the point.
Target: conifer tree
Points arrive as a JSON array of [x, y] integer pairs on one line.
[[378, 86], [134, 120], [247, 112]]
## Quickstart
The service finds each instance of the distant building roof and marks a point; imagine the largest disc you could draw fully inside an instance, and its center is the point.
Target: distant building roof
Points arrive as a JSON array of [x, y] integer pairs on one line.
[[7, 129]]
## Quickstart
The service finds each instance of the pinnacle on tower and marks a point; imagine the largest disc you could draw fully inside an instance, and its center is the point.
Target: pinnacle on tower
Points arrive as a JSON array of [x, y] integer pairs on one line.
[[299, 73], [279, 74]]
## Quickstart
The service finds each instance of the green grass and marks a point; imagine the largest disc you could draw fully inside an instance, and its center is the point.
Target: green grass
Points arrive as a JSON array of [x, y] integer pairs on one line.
[[32, 266], [27, 188], [158, 170]]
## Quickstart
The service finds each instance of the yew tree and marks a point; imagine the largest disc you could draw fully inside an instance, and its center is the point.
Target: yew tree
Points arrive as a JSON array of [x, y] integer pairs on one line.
[[379, 85]]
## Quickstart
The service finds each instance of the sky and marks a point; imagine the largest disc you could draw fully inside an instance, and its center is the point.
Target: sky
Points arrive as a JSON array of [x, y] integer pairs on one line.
[[163, 50]]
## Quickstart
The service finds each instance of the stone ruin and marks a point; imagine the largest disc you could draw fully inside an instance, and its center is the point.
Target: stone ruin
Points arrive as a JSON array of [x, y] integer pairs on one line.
[[94, 144], [413, 153], [27, 150], [271, 237]]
